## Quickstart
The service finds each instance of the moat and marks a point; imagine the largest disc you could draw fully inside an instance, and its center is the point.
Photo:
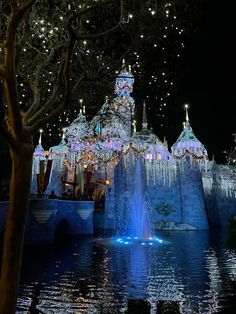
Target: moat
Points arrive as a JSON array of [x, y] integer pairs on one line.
[[98, 275]]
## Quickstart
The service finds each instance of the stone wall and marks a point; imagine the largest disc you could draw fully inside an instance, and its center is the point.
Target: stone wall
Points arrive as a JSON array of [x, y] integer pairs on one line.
[[221, 209], [192, 197], [185, 195], [46, 215], [220, 194]]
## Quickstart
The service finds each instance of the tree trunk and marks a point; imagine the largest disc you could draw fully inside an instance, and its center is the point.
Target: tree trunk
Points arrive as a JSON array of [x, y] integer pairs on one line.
[[14, 230]]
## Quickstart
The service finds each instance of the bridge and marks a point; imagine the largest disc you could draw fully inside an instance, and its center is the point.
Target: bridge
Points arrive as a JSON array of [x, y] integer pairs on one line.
[[51, 217]]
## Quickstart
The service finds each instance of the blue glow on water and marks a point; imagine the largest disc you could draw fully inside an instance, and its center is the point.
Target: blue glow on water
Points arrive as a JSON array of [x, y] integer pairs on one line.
[[197, 269], [135, 240]]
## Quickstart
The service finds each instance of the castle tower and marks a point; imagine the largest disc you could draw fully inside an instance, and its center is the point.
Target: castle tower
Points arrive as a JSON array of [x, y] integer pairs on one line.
[[189, 151], [187, 145], [147, 140], [144, 122], [123, 103], [77, 131]]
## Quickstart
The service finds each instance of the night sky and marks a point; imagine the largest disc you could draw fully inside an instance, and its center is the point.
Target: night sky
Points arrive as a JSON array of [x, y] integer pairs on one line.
[[207, 69], [209, 84]]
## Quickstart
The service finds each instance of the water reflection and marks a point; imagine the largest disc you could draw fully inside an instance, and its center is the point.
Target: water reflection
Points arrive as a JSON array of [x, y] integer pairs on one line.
[[93, 276]]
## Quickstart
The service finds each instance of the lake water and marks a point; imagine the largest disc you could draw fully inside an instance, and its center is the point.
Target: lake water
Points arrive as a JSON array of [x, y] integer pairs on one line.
[[92, 275]]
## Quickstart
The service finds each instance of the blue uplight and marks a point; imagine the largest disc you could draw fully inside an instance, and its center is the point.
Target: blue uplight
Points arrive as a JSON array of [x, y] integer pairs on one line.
[[137, 241], [159, 240]]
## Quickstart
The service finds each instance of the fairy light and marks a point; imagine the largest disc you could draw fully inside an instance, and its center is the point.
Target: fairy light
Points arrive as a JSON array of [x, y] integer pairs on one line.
[[158, 79]]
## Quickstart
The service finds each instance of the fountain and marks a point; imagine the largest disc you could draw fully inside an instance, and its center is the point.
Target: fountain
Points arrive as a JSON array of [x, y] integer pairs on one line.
[[134, 213]]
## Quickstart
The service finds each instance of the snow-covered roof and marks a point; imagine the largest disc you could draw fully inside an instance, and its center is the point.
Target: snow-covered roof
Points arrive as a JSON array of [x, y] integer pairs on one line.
[[187, 142]]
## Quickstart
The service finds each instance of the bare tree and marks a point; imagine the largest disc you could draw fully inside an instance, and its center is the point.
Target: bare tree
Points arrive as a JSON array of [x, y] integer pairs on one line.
[[41, 43]]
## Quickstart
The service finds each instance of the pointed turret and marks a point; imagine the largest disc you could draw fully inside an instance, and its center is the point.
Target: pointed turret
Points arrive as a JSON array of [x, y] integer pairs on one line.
[[58, 154], [187, 143], [77, 131], [124, 81], [39, 151], [146, 140], [144, 123]]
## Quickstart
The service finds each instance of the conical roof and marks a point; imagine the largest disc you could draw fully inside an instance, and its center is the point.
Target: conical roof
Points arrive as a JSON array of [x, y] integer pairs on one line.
[[39, 152], [147, 140], [78, 130], [187, 142], [59, 150], [124, 82]]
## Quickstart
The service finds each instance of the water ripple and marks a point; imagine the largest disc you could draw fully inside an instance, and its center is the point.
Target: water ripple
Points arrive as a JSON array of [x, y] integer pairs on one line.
[[99, 277]]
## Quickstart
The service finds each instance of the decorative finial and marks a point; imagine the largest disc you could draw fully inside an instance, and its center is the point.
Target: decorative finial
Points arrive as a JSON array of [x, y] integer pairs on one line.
[[144, 123], [123, 63], [63, 133], [186, 106], [129, 68], [80, 111], [106, 98], [134, 127], [83, 110], [40, 136], [184, 125]]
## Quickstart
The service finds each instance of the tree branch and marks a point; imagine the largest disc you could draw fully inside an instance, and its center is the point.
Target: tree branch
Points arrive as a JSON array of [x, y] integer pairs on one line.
[[95, 36], [22, 41], [10, 83], [102, 73], [85, 11], [30, 120], [20, 11], [35, 104], [39, 118]]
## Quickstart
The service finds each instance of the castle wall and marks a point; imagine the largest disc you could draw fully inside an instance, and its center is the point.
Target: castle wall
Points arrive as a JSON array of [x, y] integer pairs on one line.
[[166, 195], [192, 196], [220, 194], [184, 195], [46, 214], [220, 208]]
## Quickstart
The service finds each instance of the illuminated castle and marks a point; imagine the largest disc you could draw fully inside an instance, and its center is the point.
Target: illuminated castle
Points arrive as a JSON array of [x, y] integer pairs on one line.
[[97, 159]]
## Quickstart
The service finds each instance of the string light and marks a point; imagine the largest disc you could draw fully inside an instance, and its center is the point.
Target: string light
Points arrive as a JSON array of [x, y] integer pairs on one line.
[[160, 80]]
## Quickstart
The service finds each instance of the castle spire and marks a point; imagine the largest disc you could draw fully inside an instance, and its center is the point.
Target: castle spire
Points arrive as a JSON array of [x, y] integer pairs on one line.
[[123, 63], [186, 106], [40, 136], [124, 81], [63, 133], [144, 123]]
